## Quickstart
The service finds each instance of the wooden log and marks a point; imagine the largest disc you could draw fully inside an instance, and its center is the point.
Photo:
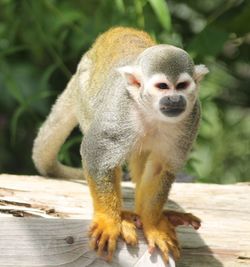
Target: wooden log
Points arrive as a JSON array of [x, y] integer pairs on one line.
[[57, 213]]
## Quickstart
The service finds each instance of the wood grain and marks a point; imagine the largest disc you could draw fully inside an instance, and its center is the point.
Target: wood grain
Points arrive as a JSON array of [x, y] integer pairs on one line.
[[55, 214]]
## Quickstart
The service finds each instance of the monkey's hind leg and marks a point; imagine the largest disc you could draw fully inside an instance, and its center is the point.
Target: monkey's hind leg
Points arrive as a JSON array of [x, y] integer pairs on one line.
[[182, 218], [130, 221]]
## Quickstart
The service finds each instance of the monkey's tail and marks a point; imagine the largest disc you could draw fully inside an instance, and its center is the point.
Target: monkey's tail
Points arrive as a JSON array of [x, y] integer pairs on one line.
[[53, 133]]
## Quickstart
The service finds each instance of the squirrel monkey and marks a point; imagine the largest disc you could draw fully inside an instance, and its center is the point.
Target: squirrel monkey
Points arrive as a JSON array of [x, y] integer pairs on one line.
[[135, 101]]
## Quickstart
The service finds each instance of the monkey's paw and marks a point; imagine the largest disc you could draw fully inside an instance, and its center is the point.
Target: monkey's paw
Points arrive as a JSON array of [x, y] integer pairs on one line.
[[130, 221], [162, 235], [181, 218], [104, 233]]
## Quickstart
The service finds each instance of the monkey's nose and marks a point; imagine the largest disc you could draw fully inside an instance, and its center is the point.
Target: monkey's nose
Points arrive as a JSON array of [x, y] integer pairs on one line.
[[174, 100], [172, 105]]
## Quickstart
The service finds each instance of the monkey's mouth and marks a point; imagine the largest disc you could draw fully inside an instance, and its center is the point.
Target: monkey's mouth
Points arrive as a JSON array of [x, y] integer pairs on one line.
[[172, 106], [172, 112]]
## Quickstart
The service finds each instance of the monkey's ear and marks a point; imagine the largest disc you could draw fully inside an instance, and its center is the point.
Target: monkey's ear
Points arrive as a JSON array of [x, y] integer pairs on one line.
[[132, 75], [199, 72]]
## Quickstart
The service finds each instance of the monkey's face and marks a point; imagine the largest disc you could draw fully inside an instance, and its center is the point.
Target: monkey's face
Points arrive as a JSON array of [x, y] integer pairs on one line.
[[169, 100], [164, 82]]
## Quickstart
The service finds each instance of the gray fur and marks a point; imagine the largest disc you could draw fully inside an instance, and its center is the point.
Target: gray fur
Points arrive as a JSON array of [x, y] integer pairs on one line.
[[163, 192], [110, 129], [52, 135], [120, 116], [112, 133], [57, 127], [189, 130], [191, 126], [166, 59]]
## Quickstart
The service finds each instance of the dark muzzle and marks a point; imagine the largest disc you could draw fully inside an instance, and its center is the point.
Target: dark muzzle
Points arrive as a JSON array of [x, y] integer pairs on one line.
[[172, 106]]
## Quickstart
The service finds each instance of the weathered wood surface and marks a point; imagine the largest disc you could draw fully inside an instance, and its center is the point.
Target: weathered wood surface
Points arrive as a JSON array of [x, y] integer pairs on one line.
[[39, 240]]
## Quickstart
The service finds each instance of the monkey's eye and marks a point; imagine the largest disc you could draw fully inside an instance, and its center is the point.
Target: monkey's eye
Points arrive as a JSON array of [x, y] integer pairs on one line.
[[182, 85], [162, 86]]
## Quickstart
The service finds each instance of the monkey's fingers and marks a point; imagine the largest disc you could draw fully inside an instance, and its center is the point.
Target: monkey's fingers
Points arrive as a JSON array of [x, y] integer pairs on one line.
[[104, 233], [104, 244], [131, 217], [163, 236], [164, 249], [104, 238], [129, 233], [111, 248], [160, 242], [92, 227], [94, 235], [173, 246], [128, 229], [181, 218], [151, 246]]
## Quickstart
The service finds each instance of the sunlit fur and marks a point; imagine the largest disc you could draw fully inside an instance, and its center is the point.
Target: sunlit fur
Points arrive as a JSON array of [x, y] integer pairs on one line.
[[113, 98]]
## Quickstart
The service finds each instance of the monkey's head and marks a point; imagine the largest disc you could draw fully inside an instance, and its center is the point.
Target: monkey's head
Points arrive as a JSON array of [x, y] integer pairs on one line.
[[164, 82]]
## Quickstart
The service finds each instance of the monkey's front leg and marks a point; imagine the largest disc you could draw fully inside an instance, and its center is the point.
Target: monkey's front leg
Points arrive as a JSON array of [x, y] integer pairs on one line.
[[109, 220], [106, 225], [151, 196]]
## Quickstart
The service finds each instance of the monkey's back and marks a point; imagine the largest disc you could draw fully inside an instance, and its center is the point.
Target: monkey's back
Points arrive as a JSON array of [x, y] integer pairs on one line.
[[114, 47], [117, 47]]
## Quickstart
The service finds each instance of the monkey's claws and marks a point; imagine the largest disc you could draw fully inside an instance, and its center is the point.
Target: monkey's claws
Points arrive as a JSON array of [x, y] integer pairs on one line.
[[130, 221], [103, 234], [181, 218], [162, 235]]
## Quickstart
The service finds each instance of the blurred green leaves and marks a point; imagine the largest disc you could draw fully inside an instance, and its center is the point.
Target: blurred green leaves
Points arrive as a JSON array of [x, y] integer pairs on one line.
[[203, 43], [162, 13], [41, 43]]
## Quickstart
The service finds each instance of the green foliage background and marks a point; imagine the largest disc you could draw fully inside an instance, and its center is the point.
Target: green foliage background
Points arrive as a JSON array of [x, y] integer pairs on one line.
[[42, 41]]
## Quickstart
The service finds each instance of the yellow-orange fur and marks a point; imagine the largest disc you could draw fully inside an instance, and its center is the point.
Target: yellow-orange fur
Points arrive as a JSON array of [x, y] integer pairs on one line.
[[107, 50], [113, 46], [148, 172], [118, 125], [109, 217]]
